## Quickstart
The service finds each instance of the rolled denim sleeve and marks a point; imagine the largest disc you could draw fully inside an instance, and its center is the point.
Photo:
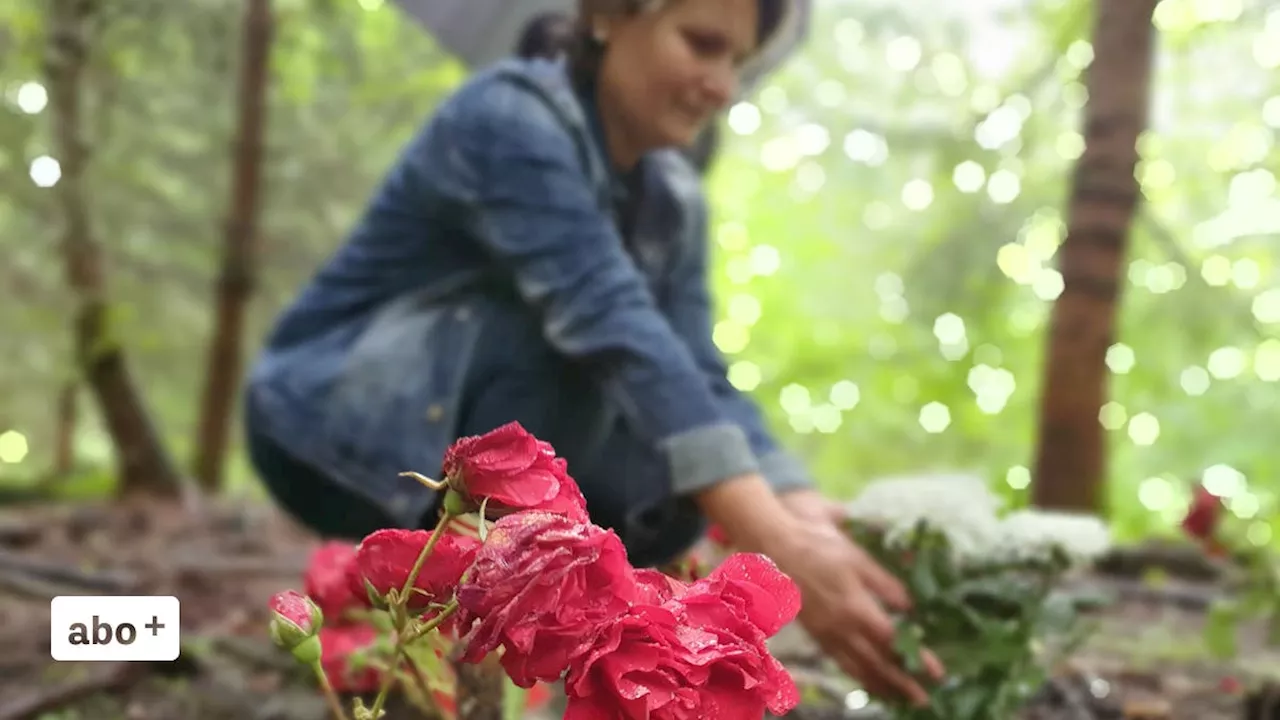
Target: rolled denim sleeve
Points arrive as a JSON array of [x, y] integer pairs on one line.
[[519, 175], [690, 311]]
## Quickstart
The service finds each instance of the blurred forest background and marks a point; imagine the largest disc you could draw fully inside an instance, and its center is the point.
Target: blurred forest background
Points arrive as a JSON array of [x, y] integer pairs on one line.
[[888, 211]]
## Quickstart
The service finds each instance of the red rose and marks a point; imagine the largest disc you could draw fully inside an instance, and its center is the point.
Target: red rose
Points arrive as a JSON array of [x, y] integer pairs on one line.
[[350, 659], [295, 609], [1201, 521], [514, 470], [656, 587], [328, 579], [639, 669], [651, 665], [742, 603], [745, 587], [385, 558], [506, 465], [718, 536], [568, 499], [539, 587], [293, 625]]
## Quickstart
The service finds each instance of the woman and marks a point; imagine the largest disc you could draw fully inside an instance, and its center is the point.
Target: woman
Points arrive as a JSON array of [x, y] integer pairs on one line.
[[548, 35], [538, 254]]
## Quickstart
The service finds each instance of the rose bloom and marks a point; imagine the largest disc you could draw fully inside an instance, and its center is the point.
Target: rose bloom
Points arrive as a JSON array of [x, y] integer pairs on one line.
[[346, 652], [385, 558], [650, 665], [656, 587], [701, 654], [327, 580], [515, 471], [539, 586], [745, 588], [295, 609], [718, 536], [1201, 520]]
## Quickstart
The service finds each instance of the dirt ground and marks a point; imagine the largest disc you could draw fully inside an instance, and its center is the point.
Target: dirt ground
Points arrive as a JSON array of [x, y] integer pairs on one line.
[[1146, 663]]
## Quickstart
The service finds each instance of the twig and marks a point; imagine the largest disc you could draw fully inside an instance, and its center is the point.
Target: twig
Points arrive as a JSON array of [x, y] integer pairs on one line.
[[19, 531], [1180, 595], [287, 565], [33, 704], [1183, 561], [30, 586], [104, 580]]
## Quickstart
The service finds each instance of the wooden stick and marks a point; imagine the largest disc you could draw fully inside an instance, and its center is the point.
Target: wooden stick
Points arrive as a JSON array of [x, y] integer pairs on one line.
[[30, 586], [34, 703], [110, 581]]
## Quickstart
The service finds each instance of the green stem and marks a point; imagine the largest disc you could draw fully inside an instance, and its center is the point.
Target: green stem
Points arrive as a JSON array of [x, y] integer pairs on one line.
[[415, 674], [330, 696], [398, 613], [422, 557], [434, 622]]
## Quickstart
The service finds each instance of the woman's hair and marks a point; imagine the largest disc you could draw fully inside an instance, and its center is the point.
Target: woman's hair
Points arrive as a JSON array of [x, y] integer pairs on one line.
[[548, 35], [585, 51], [705, 148], [545, 36]]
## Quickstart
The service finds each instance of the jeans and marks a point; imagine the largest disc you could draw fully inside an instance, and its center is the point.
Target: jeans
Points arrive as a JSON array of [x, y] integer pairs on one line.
[[516, 376]]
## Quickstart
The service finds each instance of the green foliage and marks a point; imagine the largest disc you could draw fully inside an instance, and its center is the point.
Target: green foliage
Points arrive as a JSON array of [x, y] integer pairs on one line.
[[423, 670], [1256, 599], [829, 284], [998, 627], [1220, 628]]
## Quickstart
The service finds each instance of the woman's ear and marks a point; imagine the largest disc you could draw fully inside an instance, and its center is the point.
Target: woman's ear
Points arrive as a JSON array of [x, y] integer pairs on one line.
[[600, 30]]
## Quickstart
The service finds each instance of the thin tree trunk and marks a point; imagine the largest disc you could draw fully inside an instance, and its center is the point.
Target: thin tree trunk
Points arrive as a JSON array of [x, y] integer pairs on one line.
[[144, 464], [64, 437], [235, 286], [1071, 459]]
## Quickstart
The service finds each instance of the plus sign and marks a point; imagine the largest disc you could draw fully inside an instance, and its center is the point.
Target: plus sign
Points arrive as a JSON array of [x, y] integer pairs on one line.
[[154, 626]]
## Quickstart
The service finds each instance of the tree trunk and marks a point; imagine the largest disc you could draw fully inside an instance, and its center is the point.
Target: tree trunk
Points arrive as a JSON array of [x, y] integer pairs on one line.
[[144, 464], [64, 433], [235, 285], [1070, 462]]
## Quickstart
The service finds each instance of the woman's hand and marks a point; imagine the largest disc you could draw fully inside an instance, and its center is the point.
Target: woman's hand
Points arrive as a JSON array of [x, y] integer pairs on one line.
[[845, 593], [813, 506]]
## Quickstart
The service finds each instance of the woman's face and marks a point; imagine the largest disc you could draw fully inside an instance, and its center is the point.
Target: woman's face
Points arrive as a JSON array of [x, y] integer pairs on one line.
[[666, 73]]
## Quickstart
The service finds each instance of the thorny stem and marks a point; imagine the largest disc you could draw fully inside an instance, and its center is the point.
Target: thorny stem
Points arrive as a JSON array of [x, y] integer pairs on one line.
[[434, 622], [330, 696], [433, 484], [398, 613], [422, 558]]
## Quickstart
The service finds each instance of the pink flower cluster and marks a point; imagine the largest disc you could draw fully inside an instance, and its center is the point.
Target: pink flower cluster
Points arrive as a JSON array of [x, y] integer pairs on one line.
[[559, 599]]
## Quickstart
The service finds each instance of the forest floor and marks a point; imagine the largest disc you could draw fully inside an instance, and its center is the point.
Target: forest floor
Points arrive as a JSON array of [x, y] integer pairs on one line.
[[1146, 663]]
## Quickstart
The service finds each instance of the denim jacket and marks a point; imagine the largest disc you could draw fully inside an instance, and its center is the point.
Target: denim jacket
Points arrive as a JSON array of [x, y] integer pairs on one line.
[[506, 182]]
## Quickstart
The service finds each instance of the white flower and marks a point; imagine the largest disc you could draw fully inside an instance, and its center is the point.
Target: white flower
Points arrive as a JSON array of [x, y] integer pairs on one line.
[[960, 506], [1033, 534]]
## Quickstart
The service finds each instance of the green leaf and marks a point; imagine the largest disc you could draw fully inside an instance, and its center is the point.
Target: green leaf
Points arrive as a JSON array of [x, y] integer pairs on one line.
[[907, 642], [1273, 628], [1220, 628], [924, 586], [970, 702]]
